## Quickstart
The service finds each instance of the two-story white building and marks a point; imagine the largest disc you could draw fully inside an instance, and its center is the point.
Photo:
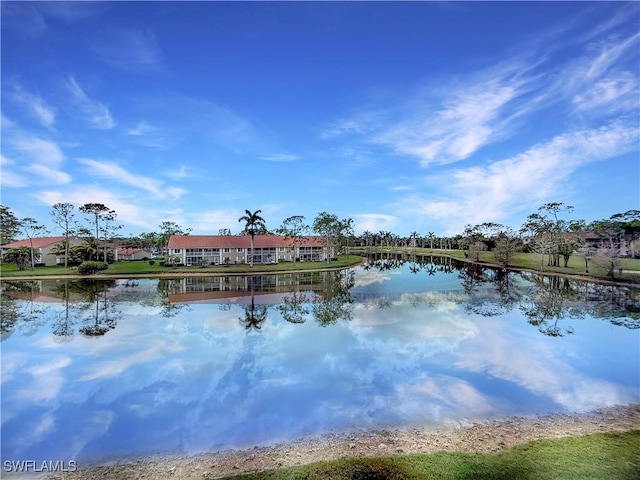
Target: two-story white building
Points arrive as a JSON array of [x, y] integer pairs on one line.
[[231, 249]]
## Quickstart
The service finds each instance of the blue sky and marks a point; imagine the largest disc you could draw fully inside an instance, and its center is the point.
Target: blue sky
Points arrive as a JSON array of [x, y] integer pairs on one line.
[[408, 116]]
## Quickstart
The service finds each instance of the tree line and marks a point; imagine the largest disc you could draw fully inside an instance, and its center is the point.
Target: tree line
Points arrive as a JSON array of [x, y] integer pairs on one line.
[[548, 233], [98, 229]]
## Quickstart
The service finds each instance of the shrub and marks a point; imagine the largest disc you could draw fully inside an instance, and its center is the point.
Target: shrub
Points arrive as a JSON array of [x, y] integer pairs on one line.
[[90, 267], [152, 262]]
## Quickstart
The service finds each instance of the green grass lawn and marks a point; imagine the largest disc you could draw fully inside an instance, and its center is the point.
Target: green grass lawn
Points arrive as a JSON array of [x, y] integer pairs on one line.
[[143, 267], [611, 456], [630, 267]]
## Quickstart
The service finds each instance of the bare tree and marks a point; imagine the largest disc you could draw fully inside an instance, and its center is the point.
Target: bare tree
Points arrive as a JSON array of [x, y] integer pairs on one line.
[[294, 228], [63, 217], [30, 227], [95, 211]]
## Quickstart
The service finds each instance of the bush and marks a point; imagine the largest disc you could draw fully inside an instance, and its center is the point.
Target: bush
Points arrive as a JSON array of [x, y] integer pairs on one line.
[[90, 267], [152, 262]]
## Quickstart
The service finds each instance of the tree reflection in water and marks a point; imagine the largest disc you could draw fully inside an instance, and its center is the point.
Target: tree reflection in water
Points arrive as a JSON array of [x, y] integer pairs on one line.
[[254, 315], [64, 324], [86, 302], [101, 311], [20, 307], [546, 301], [336, 303], [294, 309], [549, 303]]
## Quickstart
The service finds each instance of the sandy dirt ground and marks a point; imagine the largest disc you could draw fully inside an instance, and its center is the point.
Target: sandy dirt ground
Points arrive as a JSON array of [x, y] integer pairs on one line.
[[485, 436]]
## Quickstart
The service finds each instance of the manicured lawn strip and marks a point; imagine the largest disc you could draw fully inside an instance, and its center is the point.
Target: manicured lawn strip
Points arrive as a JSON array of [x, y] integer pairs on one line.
[[143, 267], [11, 270], [614, 456]]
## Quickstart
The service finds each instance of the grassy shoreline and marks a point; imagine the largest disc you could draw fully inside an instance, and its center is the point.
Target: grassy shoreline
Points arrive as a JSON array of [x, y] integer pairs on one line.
[[142, 268], [612, 455], [629, 273]]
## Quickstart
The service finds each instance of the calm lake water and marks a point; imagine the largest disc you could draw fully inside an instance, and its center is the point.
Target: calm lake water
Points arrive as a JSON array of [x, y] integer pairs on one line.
[[97, 370]]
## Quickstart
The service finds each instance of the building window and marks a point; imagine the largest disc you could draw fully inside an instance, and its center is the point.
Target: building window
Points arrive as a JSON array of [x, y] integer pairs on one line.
[[227, 250], [239, 250]]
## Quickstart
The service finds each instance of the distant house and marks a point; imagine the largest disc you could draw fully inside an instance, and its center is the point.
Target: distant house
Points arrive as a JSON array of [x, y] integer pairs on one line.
[[231, 249], [43, 247], [133, 254]]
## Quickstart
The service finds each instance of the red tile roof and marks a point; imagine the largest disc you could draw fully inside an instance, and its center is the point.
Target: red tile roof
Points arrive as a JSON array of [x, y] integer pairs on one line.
[[35, 242], [239, 241]]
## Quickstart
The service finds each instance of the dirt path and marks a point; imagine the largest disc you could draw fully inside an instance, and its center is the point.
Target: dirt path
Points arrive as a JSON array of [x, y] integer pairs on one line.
[[488, 436]]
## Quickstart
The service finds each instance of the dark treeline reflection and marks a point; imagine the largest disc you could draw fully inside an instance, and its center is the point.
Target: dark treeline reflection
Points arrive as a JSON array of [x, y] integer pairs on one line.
[[547, 302], [91, 308], [429, 264], [322, 296], [88, 309]]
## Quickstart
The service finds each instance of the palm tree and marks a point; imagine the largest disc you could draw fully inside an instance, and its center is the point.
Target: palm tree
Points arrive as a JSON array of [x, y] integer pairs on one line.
[[254, 223], [367, 236], [431, 238], [413, 239]]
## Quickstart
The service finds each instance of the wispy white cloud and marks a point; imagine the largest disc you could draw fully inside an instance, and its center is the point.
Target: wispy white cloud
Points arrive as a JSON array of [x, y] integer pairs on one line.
[[611, 95], [122, 363], [610, 54], [47, 380], [280, 157], [129, 50], [42, 151], [113, 171], [439, 125], [33, 19], [464, 124], [51, 174], [148, 135], [374, 222], [226, 127], [10, 178], [70, 11], [23, 17], [545, 373], [44, 158], [34, 105], [492, 193], [34, 160], [179, 174], [5, 123], [131, 210], [94, 112], [211, 221], [141, 129]]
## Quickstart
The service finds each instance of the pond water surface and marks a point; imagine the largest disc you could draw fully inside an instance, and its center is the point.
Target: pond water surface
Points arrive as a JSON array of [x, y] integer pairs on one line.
[[97, 370]]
